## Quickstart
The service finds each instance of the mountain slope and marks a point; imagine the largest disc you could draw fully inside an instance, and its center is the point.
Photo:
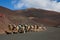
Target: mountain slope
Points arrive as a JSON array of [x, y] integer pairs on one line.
[[28, 16], [31, 16], [46, 17], [3, 23]]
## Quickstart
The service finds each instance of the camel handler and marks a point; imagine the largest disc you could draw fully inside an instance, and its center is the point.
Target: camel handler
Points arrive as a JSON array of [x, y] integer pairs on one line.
[[23, 29], [26, 26]]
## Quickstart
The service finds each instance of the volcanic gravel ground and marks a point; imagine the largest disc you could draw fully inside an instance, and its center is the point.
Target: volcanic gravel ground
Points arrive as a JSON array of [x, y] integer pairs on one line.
[[51, 34]]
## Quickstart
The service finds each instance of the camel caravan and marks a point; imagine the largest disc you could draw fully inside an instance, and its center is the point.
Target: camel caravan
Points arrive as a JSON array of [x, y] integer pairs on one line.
[[24, 28]]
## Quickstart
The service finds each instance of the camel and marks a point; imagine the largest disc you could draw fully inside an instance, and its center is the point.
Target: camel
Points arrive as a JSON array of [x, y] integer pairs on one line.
[[32, 28], [21, 28], [24, 28], [29, 28], [42, 29], [36, 28], [12, 29]]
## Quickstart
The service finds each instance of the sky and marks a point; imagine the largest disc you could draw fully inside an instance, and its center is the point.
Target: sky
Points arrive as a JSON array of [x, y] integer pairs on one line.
[[53, 5]]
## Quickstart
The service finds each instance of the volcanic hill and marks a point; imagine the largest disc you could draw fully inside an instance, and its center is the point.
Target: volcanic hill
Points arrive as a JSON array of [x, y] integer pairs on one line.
[[28, 16]]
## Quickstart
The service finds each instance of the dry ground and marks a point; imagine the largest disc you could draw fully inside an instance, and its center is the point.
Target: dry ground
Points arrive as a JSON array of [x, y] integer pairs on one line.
[[51, 34]]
